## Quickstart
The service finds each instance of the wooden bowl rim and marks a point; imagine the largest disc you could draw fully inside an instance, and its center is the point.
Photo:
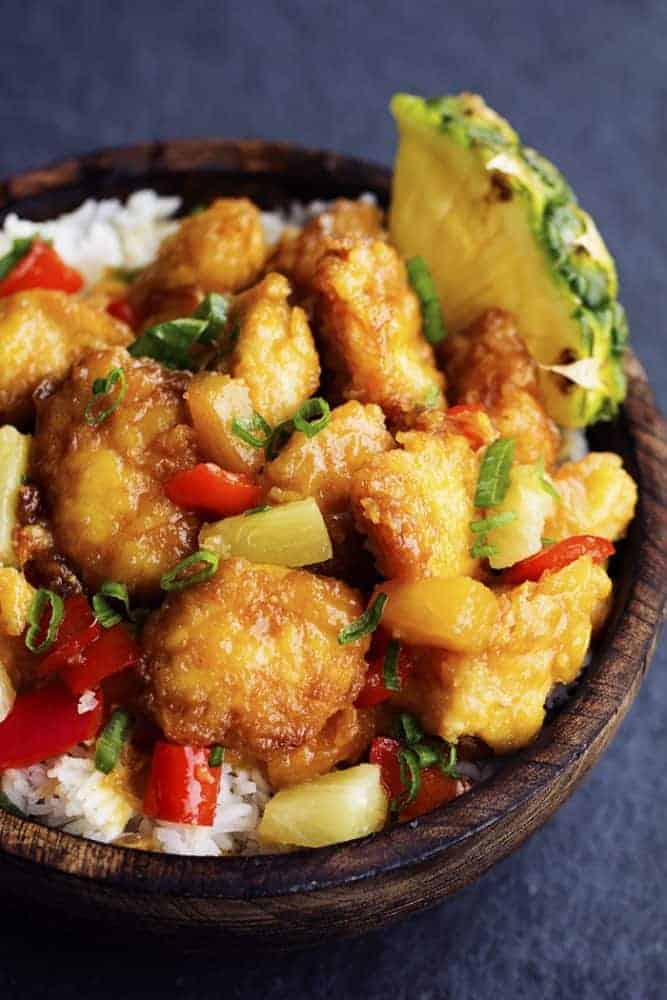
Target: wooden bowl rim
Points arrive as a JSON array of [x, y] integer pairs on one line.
[[569, 742]]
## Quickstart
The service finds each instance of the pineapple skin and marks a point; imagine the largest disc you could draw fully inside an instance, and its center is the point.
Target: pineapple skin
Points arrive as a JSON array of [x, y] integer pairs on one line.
[[500, 227]]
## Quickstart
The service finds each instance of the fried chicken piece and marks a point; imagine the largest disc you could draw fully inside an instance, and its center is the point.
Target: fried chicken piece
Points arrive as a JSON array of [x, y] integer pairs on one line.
[[250, 659], [541, 639], [369, 323], [597, 497], [274, 353], [344, 739], [103, 484], [42, 333], [490, 364], [415, 504], [218, 250], [341, 224], [16, 596], [322, 466]]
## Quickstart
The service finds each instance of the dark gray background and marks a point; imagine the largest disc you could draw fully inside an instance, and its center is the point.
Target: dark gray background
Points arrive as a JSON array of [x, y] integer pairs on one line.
[[581, 910]]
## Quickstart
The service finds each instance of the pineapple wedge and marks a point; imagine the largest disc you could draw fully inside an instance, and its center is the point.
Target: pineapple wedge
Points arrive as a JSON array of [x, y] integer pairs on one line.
[[499, 227]]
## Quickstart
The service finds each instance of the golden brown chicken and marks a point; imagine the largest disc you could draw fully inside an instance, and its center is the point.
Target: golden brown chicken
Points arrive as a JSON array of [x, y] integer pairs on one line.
[[597, 497], [490, 364], [104, 483], [415, 504], [250, 659], [218, 250], [42, 333], [541, 639], [369, 323]]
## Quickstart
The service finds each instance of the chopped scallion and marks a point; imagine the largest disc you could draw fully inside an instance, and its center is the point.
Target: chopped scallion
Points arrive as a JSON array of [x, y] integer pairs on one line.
[[494, 473], [245, 428], [257, 510], [279, 437], [390, 675], [106, 614], [449, 767], [493, 521], [104, 387], [365, 624], [425, 290], [179, 578], [312, 416], [409, 730], [42, 598], [216, 756], [171, 342], [19, 249], [111, 739], [410, 778], [482, 549], [546, 483]]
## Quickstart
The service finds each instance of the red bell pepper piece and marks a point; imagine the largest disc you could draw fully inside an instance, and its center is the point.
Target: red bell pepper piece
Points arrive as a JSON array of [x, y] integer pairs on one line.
[[558, 556], [78, 629], [182, 787], [122, 309], [465, 419], [114, 651], [45, 722], [211, 490], [41, 267], [374, 692], [435, 787]]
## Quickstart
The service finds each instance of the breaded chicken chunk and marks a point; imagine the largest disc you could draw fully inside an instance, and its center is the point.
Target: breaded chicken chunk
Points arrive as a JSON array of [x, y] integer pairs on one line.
[[42, 333], [342, 223], [490, 364], [218, 250], [541, 639], [250, 659], [322, 466], [369, 323], [415, 504], [274, 353], [597, 497], [103, 483]]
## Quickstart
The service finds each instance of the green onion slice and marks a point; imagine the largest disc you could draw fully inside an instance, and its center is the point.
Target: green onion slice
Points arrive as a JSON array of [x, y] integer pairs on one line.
[[408, 729], [104, 387], [111, 739], [281, 434], [20, 248], [105, 612], [494, 473], [545, 483], [8, 806], [493, 521], [214, 309], [422, 283], [547, 542], [42, 598], [365, 624], [482, 549], [257, 510], [427, 755], [390, 675], [126, 274], [216, 756], [410, 778], [246, 428], [449, 767], [312, 416], [171, 342], [179, 577]]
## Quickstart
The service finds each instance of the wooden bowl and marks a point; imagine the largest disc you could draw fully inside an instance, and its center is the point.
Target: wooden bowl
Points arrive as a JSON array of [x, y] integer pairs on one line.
[[301, 897]]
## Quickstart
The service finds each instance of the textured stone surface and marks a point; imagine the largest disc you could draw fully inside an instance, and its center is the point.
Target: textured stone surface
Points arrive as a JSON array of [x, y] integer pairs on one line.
[[581, 910]]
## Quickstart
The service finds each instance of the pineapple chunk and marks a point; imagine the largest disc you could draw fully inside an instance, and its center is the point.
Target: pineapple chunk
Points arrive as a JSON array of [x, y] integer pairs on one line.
[[456, 613], [499, 227], [339, 806], [14, 449], [529, 499], [598, 497]]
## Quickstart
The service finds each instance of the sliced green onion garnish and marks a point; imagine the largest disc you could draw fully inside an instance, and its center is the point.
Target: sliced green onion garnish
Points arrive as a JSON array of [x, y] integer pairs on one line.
[[104, 387], [427, 755], [19, 249], [171, 342], [365, 624], [547, 542], [493, 521], [42, 598], [214, 309], [408, 729], [179, 578], [494, 473], [312, 416], [8, 806], [422, 283], [126, 274], [111, 739], [216, 756], [410, 778], [246, 428], [279, 437], [257, 510], [431, 398], [390, 675], [545, 483], [482, 549], [449, 768], [106, 614]]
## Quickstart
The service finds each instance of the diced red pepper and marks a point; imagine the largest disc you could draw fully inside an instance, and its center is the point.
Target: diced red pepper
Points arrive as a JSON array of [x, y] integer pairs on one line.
[[114, 651], [211, 490], [471, 420], [78, 630], [182, 787], [435, 788], [122, 309], [558, 556], [41, 267], [45, 722], [374, 692]]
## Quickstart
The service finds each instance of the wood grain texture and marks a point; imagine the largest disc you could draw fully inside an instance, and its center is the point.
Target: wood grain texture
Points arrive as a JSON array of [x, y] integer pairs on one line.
[[303, 897]]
